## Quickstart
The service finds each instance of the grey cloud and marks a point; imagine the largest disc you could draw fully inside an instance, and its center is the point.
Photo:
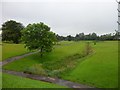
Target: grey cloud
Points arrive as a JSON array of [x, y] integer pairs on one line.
[[65, 18]]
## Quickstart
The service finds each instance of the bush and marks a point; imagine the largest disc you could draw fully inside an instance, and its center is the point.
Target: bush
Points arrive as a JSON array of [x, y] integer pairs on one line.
[[88, 49], [35, 69]]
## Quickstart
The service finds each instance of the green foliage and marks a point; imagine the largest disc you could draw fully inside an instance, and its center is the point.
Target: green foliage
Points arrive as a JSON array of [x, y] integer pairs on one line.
[[11, 31], [35, 69], [95, 42], [88, 49], [38, 36], [90, 36], [57, 68]]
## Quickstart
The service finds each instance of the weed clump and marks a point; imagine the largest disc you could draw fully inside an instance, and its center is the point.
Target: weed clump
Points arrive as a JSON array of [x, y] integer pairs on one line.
[[88, 49], [35, 69]]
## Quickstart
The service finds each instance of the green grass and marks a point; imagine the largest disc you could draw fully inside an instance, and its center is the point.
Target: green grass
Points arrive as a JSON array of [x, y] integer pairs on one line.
[[10, 50], [11, 81], [51, 59], [65, 42], [0, 52], [99, 69], [0, 80]]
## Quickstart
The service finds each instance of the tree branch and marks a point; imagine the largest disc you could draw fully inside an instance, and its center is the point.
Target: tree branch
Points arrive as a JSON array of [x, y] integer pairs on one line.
[[118, 1], [118, 10], [118, 22]]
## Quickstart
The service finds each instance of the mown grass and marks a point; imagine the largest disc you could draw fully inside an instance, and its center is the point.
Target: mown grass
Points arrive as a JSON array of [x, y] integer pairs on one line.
[[99, 69], [11, 81], [10, 50], [51, 61]]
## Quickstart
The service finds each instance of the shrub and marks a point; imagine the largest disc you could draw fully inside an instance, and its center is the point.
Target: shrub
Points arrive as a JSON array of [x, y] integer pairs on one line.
[[88, 49], [35, 69]]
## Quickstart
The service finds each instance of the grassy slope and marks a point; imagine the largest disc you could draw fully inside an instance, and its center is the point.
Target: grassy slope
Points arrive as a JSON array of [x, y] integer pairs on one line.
[[50, 59], [10, 50], [11, 81], [101, 69]]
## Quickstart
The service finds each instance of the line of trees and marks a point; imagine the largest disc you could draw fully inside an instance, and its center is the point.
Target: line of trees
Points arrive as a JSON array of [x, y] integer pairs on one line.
[[90, 36]]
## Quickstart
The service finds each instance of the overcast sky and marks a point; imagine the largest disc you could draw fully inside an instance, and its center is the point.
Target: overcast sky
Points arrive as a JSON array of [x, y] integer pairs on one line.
[[64, 16]]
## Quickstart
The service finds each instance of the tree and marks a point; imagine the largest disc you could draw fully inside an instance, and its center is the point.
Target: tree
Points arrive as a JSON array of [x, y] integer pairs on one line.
[[79, 36], [117, 35], [11, 31], [94, 36], [70, 38], [88, 49], [107, 37], [38, 36]]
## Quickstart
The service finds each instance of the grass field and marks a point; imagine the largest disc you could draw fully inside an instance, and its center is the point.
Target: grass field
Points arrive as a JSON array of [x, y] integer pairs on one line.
[[0, 80], [99, 69], [11, 81], [0, 52], [51, 60], [10, 50]]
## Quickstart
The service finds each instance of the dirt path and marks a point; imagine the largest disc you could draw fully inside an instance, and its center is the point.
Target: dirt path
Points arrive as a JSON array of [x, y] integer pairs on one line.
[[47, 79], [15, 58]]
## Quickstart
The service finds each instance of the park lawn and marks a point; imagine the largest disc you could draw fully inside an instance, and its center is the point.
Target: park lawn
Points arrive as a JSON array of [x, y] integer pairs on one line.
[[10, 50], [51, 60], [11, 81], [99, 70], [65, 42]]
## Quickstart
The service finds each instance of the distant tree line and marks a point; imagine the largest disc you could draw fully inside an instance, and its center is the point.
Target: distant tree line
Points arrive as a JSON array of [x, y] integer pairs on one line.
[[90, 36]]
